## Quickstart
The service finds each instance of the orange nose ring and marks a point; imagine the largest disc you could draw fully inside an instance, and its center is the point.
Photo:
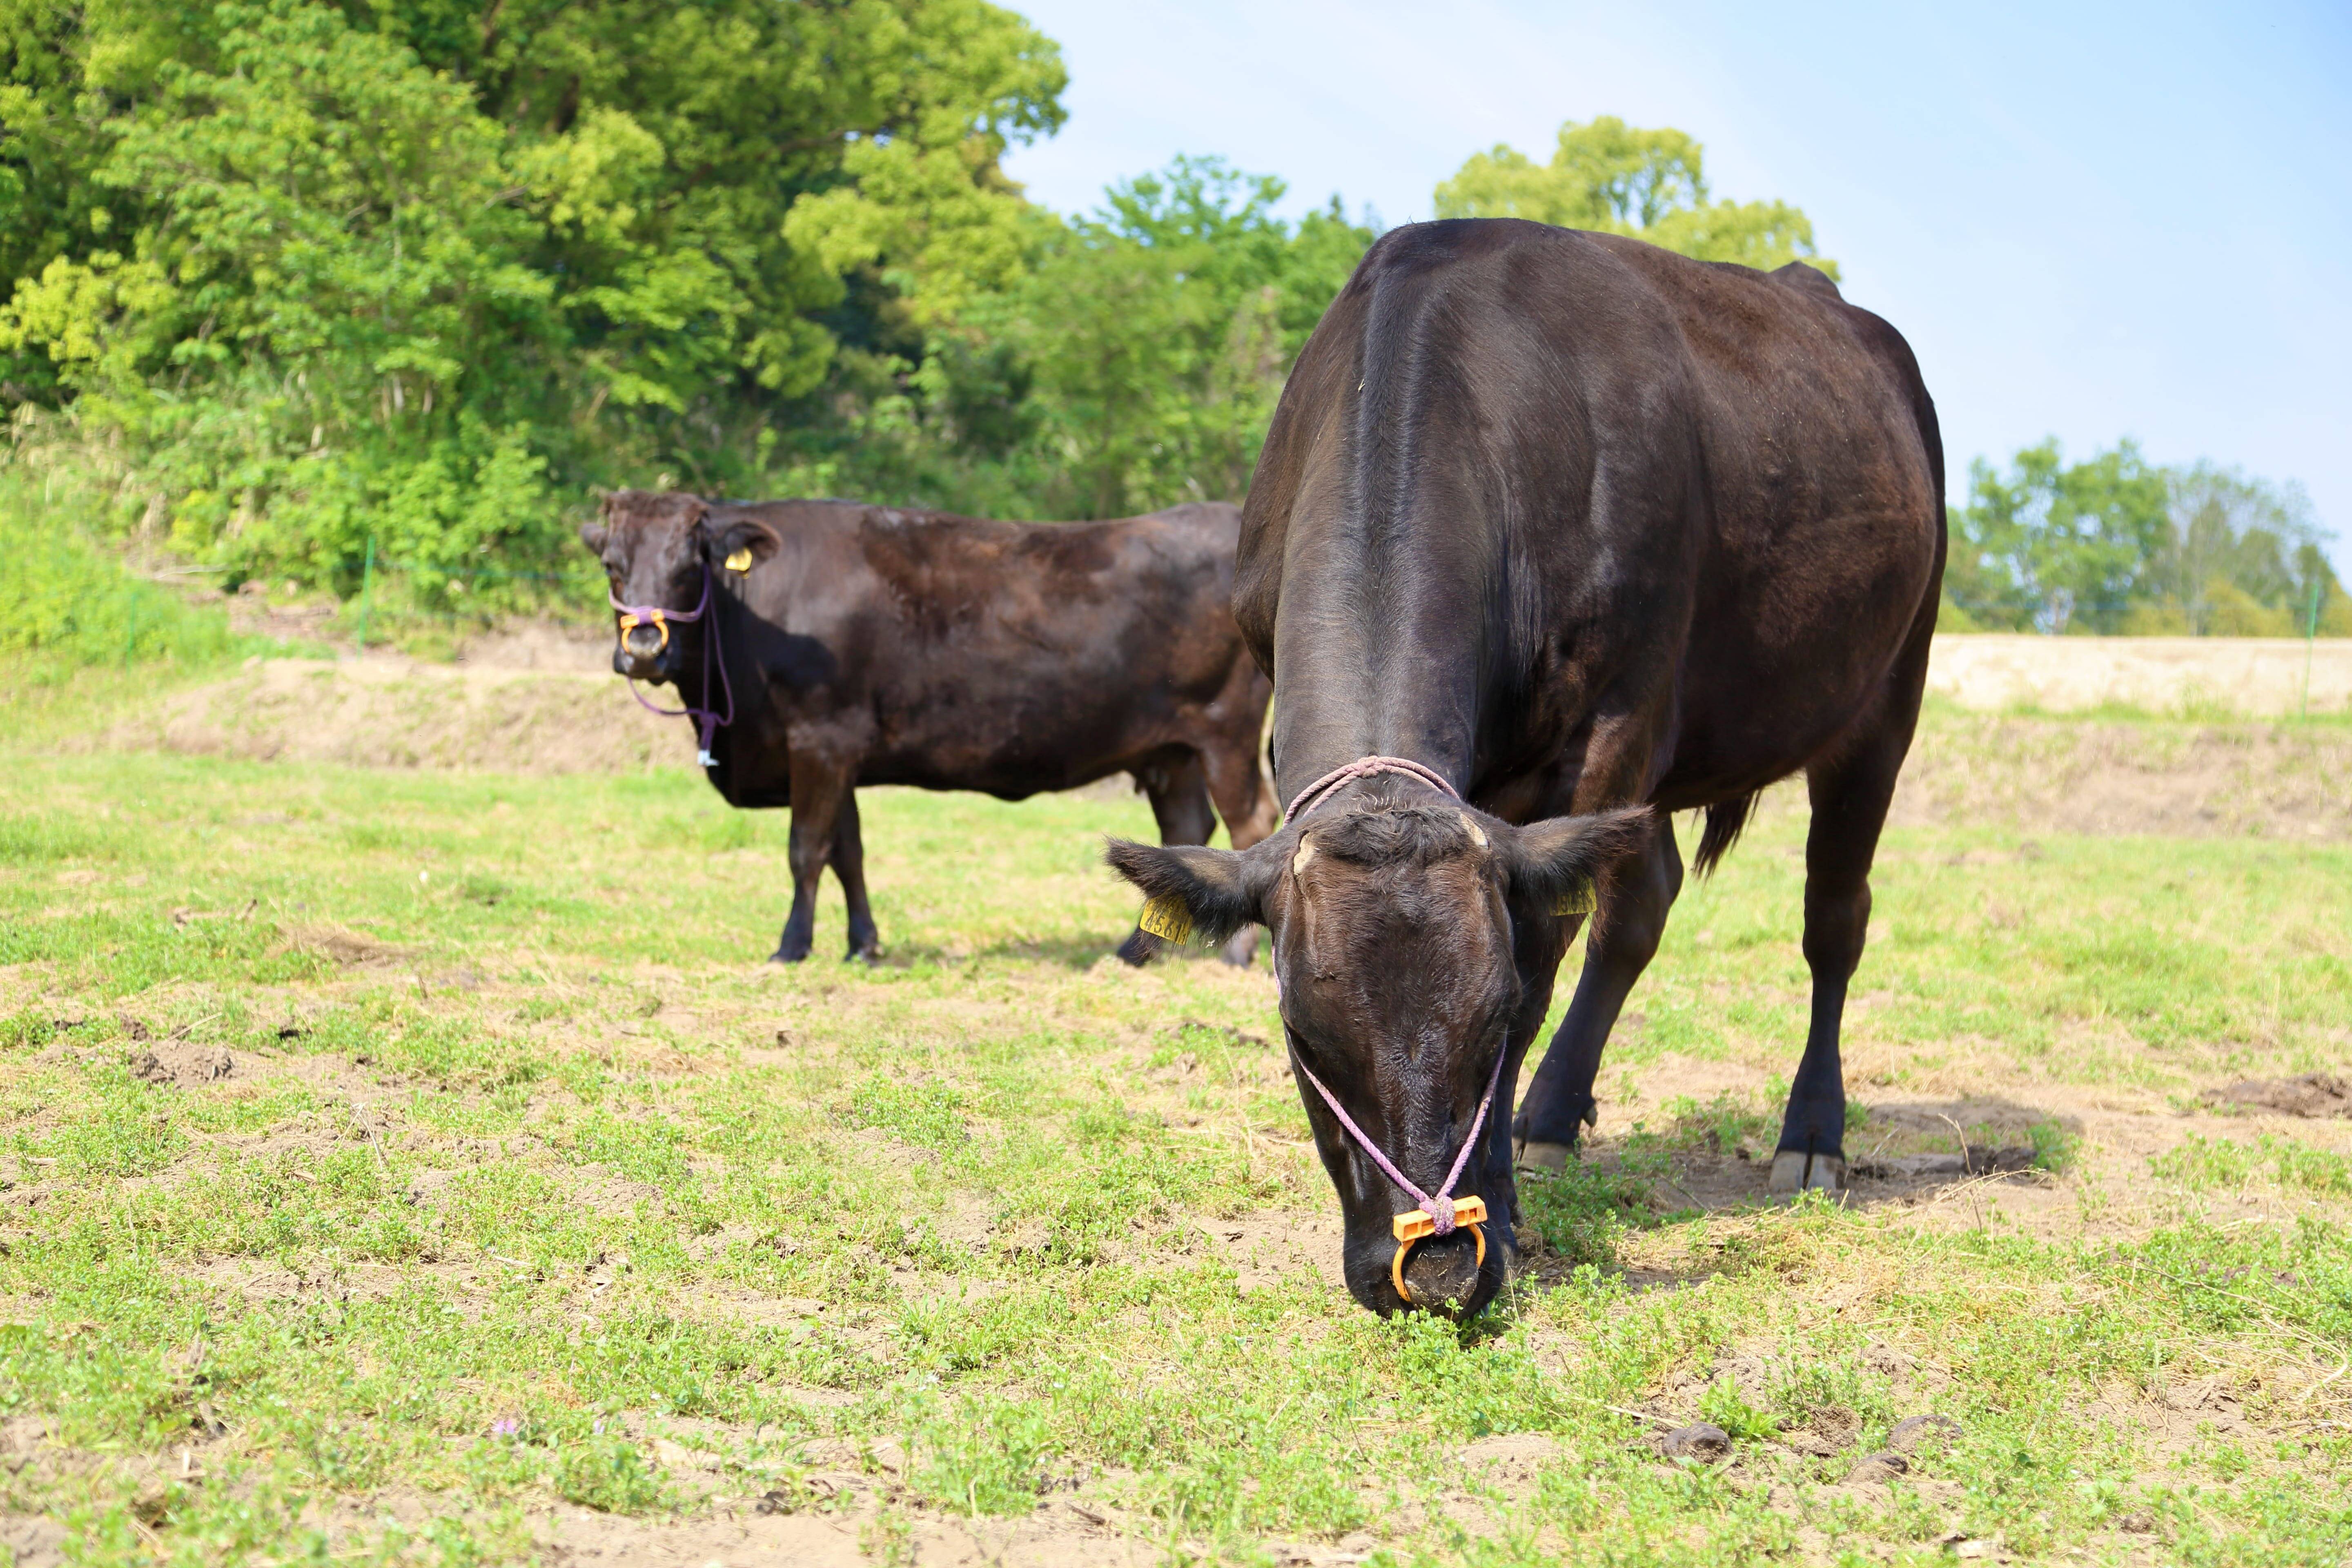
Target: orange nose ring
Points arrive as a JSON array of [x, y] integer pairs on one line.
[[653, 618], [1413, 1225]]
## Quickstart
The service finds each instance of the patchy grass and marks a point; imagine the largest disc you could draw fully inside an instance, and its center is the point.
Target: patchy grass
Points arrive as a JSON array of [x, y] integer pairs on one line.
[[523, 1181]]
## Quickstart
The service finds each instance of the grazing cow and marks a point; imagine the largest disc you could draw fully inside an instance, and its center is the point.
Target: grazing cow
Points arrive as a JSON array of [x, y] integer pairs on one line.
[[864, 645], [1559, 530]]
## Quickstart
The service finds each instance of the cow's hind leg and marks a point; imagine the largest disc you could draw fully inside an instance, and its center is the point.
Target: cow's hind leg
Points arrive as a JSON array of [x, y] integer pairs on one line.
[[819, 788], [848, 862], [1178, 788], [1560, 1100], [1849, 795]]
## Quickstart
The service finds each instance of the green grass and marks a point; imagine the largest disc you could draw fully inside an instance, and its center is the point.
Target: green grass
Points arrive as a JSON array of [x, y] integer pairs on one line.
[[528, 1167], [72, 603]]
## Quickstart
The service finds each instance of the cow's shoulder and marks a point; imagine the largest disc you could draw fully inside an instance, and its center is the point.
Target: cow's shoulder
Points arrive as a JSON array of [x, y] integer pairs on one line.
[[1810, 278]]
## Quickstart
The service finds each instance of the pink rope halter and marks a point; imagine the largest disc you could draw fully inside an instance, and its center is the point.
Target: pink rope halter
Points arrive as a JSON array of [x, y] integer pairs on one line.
[[706, 720], [1439, 1206], [1327, 787]]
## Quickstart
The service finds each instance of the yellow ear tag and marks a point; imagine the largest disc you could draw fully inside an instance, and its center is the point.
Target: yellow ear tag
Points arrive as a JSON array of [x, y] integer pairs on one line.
[[740, 560], [1576, 901], [1167, 917]]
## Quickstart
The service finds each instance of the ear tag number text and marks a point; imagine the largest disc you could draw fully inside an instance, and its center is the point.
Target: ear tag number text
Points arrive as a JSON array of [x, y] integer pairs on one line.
[[1576, 901], [1167, 917]]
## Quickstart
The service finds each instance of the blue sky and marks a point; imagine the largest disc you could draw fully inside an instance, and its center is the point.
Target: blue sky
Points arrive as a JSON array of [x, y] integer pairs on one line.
[[2090, 222]]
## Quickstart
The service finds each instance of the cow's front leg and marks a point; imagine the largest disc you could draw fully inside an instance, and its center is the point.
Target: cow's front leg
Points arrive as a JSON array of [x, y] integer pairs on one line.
[[1559, 1103], [849, 865], [819, 786]]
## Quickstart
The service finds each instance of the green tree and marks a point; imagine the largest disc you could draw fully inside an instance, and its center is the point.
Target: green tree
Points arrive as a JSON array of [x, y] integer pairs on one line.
[[2117, 544], [1616, 178], [2239, 556], [2054, 546], [430, 269], [1161, 329], [1122, 361]]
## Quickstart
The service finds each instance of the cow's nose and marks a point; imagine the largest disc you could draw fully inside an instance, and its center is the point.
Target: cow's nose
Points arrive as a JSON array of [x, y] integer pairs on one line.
[[643, 642], [1442, 1269]]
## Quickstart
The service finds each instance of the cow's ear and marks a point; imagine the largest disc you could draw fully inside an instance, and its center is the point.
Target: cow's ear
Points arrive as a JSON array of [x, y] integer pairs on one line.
[[1553, 862], [738, 544], [593, 533], [1196, 892]]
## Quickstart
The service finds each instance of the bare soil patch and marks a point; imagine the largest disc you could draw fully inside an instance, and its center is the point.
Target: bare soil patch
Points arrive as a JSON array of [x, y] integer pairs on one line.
[[343, 945], [2244, 675], [1058, 1536], [1953, 1160], [2094, 776], [182, 1063], [384, 711], [529, 703], [2312, 1094]]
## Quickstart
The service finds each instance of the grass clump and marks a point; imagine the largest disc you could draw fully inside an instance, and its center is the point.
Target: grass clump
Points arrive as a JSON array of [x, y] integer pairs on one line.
[[610, 1475], [2208, 1163]]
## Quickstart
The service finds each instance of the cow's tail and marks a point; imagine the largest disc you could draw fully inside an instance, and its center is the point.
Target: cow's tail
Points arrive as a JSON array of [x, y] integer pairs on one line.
[[1725, 820]]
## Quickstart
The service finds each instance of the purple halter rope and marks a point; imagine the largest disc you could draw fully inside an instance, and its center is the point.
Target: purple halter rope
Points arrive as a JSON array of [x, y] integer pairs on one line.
[[1438, 1206], [706, 718], [1322, 789]]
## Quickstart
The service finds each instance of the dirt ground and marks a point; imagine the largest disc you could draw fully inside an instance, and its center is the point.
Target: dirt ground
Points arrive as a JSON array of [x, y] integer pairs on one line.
[[534, 701], [541, 699], [2260, 675]]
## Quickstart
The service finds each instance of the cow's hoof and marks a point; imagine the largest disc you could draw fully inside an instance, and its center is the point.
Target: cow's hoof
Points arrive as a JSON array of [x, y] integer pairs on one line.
[[869, 956], [1540, 1159], [788, 952], [1794, 1171], [1139, 948]]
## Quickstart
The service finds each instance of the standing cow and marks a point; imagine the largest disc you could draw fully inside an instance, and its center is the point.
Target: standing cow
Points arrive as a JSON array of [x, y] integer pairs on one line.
[[1559, 530], [832, 644]]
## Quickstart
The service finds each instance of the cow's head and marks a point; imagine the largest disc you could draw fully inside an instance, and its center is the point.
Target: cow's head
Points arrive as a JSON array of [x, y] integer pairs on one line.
[[654, 545], [1413, 939]]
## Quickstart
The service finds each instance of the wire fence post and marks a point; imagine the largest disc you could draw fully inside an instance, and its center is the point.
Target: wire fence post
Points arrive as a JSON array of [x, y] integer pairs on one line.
[[367, 582], [2311, 639]]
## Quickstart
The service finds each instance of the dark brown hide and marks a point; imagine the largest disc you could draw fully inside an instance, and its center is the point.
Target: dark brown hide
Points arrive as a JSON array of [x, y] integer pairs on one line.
[[1579, 524], [871, 646]]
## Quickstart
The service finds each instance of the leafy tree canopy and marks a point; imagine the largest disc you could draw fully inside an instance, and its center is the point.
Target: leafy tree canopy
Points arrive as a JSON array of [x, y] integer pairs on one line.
[[1616, 178], [1112, 362], [302, 280], [2115, 543], [387, 268]]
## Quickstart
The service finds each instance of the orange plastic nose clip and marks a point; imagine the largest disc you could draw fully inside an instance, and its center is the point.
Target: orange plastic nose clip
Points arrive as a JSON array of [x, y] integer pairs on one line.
[[1414, 1225], [655, 619]]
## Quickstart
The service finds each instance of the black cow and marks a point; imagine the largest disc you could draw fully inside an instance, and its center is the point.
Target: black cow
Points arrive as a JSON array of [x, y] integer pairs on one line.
[[1578, 524], [864, 645]]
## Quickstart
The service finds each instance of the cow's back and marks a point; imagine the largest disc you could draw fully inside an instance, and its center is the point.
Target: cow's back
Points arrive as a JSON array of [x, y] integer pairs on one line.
[[968, 653], [1821, 542], [1634, 482]]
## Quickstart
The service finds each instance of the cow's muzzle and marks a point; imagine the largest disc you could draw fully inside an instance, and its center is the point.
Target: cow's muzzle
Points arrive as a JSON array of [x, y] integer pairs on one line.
[[646, 636], [1452, 1276], [642, 650], [1433, 1280]]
